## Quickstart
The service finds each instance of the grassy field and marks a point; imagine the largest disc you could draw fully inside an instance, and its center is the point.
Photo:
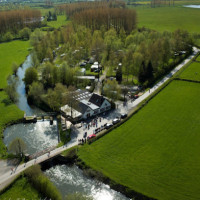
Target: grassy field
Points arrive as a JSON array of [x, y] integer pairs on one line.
[[192, 72], [156, 152], [198, 58], [169, 18], [15, 51], [21, 189], [61, 21]]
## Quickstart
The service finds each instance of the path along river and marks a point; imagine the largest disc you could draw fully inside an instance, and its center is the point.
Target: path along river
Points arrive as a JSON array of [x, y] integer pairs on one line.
[[41, 135]]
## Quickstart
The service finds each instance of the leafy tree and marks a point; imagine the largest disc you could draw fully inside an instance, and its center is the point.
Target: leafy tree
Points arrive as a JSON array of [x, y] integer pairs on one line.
[[17, 146], [112, 90], [8, 37], [36, 91], [25, 33], [11, 89], [119, 74], [14, 68], [34, 59], [31, 75]]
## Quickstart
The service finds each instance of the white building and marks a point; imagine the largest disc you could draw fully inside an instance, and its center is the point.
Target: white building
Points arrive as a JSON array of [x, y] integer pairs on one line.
[[86, 108]]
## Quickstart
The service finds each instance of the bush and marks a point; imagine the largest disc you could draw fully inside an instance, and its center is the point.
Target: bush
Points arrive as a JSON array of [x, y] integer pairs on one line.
[[8, 37], [41, 183], [25, 33]]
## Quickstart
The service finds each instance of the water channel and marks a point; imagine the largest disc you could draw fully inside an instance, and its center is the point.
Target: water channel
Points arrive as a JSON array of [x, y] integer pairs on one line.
[[192, 6], [41, 135]]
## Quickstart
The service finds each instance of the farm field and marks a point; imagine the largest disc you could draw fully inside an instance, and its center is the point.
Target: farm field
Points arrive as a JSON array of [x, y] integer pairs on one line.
[[192, 72], [169, 18], [15, 51], [21, 189], [156, 152]]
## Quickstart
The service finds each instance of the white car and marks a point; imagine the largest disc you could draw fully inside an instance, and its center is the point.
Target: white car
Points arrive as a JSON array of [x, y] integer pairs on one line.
[[116, 120]]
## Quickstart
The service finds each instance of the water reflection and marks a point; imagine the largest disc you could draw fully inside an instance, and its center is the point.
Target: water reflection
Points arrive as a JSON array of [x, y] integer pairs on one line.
[[71, 180], [37, 136], [192, 6]]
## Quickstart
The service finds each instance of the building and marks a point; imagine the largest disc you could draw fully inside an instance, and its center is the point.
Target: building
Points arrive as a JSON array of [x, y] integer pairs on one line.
[[86, 108]]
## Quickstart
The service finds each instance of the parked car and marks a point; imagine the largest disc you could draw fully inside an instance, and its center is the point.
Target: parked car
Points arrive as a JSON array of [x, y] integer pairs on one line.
[[91, 136], [123, 115], [136, 96], [108, 125], [116, 120], [83, 64]]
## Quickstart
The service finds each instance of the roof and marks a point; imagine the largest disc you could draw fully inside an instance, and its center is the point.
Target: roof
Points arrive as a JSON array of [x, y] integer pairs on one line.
[[97, 99], [89, 104], [82, 107]]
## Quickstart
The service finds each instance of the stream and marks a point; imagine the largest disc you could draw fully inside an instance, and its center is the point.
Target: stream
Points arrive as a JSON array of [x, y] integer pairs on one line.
[[41, 135]]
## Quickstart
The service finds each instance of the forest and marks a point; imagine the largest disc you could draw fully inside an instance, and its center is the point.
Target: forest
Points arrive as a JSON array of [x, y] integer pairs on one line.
[[12, 21]]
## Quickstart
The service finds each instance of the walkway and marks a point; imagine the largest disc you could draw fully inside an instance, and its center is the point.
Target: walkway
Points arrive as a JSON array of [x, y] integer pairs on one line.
[[77, 133]]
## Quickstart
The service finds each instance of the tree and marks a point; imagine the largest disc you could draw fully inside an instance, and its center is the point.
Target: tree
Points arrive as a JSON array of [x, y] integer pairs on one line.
[[36, 91], [70, 99], [119, 74], [17, 146], [25, 33], [112, 90], [14, 68], [31, 75], [11, 89]]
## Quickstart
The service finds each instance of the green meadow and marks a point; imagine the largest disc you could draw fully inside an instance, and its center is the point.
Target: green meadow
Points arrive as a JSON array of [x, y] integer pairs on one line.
[[21, 189], [61, 21], [15, 51], [198, 59], [156, 152], [192, 72], [169, 18]]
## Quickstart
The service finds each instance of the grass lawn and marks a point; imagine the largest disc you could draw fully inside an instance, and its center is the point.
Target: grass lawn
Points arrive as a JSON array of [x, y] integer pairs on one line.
[[198, 58], [192, 72], [8, 113], [61, 21], [169, 18], [156, 152], [21, 189], [15, 51]]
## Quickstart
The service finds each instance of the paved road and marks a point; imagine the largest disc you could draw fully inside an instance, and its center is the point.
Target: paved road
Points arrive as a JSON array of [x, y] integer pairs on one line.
[[77, 133]]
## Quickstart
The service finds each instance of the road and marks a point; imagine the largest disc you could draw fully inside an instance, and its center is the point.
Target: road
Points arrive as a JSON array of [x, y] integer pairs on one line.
[[77, 133]]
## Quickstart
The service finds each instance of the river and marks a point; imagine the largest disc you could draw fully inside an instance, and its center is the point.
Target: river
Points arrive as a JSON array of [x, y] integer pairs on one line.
[[41, 135], [192, 6]]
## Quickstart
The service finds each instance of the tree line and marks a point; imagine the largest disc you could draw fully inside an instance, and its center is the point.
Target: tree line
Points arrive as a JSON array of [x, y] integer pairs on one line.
[[108, 17], [158, 3], [13, 21], [70, 9]]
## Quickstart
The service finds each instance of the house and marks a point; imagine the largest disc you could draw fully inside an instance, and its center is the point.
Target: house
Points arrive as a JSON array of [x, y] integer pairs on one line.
[[101, 102], [86, 108]]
